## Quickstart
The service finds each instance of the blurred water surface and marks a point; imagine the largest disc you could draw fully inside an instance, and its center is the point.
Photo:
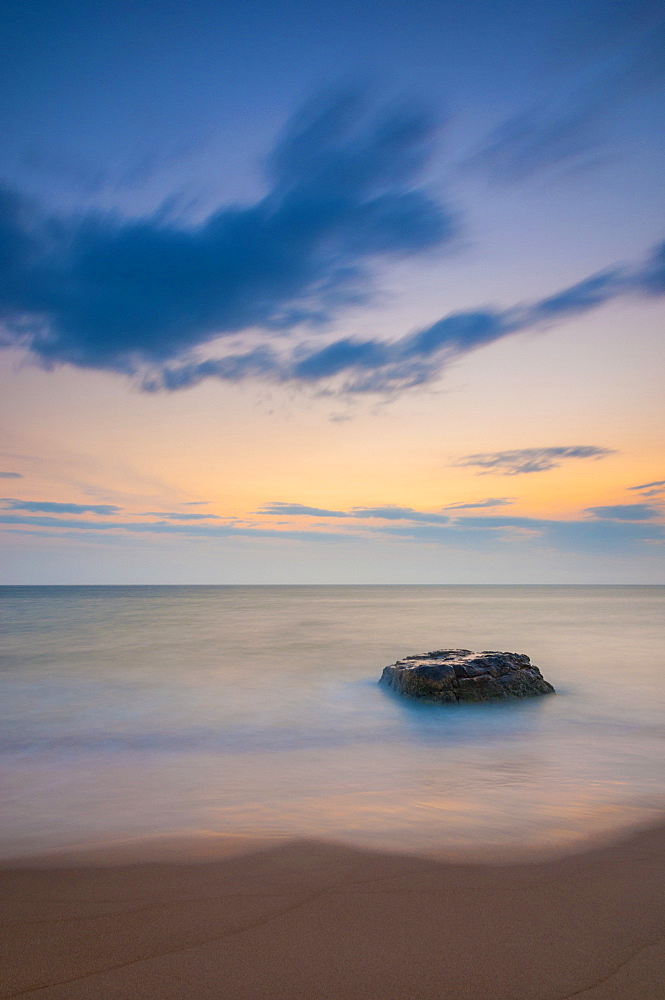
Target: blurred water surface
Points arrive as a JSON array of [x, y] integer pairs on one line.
[[138, 711]]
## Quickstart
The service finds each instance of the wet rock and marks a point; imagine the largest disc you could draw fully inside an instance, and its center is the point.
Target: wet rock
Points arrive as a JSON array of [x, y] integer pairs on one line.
[[454, 675]]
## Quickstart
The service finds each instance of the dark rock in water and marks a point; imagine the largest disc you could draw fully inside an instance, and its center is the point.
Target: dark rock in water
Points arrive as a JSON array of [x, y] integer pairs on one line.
[[454, 675]]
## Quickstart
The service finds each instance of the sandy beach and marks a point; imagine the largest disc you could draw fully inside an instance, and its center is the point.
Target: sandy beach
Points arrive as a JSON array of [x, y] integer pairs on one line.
[[313, 920]]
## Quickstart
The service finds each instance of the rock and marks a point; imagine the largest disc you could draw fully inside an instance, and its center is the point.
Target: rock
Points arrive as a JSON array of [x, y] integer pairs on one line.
[[454, 675]]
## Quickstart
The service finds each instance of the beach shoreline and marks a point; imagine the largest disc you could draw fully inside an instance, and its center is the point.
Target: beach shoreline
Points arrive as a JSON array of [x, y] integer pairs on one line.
[[210, 846], [310, 919]]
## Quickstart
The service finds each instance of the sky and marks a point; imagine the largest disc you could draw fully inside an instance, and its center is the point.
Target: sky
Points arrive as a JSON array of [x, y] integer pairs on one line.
[[344, 292]]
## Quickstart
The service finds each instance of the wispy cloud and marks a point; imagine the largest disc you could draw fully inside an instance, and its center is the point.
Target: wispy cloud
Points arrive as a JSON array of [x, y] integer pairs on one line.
[[60, 525], [298, 510], [574, 126], [386, 512], [650, 490], [525, 460], [534, 141], [645, 486], [175, 515], [391, 513], [51, 507], [490, 502], [11, 475]]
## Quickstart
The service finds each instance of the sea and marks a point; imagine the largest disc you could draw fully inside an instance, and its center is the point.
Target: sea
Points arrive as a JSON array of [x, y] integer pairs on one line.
[[136, 712]]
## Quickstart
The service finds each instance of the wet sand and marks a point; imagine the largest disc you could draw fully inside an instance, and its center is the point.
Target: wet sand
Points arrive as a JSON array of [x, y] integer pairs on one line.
[[313, 921]]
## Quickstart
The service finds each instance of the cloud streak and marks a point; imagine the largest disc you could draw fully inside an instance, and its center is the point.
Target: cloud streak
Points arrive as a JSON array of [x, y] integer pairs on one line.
[[387, 512], [489, 502], [391, 513], [65, 525], [299, 510], [656, 488], [525, 460], [51, 507], [626, 512], [534, 141], [351, 365], [178, 515], [645, 486]]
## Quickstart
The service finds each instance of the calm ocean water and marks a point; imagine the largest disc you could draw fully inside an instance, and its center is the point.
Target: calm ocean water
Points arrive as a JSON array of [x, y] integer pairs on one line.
[[134, 711]]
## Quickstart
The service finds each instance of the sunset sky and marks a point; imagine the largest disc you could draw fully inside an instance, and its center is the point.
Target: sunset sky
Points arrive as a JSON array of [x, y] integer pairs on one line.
[[334, 292]]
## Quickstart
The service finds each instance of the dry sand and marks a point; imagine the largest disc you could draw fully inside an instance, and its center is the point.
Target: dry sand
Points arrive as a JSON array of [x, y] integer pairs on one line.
[[311, 921]]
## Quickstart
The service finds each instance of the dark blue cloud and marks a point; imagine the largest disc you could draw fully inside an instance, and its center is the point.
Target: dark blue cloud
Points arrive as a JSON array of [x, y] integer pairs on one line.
[[120, 294], [457, 333], [420, 357], [11, 475], [379, 366], [524, 460], [626, 512], [51, 507], [258, 363], [579, 298], [343, 355]]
